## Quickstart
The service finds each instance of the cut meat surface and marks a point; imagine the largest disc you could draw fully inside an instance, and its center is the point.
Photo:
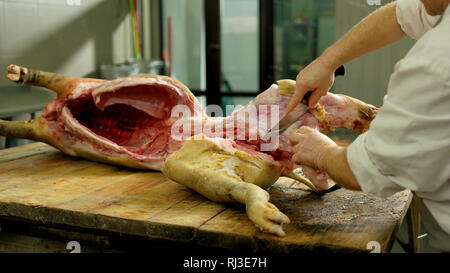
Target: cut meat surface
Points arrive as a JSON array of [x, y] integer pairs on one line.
[[135, 122], [126, 126], [153, 100]]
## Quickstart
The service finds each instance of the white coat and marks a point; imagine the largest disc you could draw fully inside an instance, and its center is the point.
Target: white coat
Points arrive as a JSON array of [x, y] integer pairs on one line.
[[408, 144]]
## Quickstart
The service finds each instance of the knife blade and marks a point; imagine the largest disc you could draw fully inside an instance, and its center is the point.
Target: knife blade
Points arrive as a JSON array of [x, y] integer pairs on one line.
[[294, 116], [288, 119]]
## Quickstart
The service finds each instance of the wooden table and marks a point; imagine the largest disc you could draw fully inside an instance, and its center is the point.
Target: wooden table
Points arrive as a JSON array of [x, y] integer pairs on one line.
[[41, 186]]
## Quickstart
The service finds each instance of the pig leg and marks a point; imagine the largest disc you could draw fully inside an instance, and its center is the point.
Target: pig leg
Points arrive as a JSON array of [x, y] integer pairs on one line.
[[256, 200], [263, 213], [20, 129], [223, 177], [59, 83], [337, 111]]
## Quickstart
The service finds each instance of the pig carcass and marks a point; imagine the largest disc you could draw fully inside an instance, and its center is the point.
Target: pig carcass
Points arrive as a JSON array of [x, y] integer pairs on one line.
[[155, 122]]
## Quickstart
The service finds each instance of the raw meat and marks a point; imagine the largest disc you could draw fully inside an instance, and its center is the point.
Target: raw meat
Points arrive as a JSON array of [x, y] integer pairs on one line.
[[154, 122]]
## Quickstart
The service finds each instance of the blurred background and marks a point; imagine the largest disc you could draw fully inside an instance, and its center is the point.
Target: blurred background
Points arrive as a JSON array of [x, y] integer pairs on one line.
[[225, 51]]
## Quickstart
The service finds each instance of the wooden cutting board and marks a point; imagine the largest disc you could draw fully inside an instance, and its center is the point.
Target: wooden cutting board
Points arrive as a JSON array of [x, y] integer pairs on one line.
[[40, 184]]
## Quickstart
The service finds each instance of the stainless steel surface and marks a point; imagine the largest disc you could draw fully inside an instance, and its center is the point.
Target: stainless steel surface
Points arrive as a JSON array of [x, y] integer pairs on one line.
[[23, 99], [20, 102]]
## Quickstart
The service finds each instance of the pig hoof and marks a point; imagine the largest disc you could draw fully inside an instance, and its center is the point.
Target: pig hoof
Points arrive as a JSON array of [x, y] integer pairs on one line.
[[16, 73], [266, 216]]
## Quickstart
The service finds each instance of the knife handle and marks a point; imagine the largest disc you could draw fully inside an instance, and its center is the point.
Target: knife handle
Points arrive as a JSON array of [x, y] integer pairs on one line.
[[340, 71], [305, 99]]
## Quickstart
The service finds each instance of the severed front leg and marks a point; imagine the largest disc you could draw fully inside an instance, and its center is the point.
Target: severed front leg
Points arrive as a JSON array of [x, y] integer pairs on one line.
[[61, 84], [263, 213], [337, 111], [222, 174]]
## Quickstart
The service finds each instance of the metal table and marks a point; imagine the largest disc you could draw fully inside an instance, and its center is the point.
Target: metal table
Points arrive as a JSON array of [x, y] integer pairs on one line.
[[16, 100]]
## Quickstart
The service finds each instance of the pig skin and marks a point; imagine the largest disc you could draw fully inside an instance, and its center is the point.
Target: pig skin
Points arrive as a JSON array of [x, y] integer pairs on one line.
[[127, 122]]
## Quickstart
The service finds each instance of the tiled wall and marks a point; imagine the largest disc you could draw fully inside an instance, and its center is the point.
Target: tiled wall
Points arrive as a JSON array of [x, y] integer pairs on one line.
[[66, 36]]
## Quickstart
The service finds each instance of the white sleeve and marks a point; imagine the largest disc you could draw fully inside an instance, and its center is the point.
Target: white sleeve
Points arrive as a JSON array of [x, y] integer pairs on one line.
[[414, 19], [369, 176], [408, 144]]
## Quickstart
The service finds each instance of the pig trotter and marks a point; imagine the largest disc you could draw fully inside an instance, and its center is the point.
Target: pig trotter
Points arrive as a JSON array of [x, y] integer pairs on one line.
[[263, 213], [59, 83], [17, 74]]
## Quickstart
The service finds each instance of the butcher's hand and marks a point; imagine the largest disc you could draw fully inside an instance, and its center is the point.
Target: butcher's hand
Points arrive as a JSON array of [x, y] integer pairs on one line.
[[311, 147], [317, 77], [316, 150]]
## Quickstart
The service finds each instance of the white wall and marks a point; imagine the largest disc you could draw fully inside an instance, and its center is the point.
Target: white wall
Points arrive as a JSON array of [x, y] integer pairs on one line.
[[55, 36]]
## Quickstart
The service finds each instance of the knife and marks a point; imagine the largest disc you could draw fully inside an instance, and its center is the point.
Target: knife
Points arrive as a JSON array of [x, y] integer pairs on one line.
[[294, 116]]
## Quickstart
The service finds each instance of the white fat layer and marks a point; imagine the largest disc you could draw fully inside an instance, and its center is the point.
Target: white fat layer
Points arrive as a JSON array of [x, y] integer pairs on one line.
[[144, 106], [112, 86], [82, 87]]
